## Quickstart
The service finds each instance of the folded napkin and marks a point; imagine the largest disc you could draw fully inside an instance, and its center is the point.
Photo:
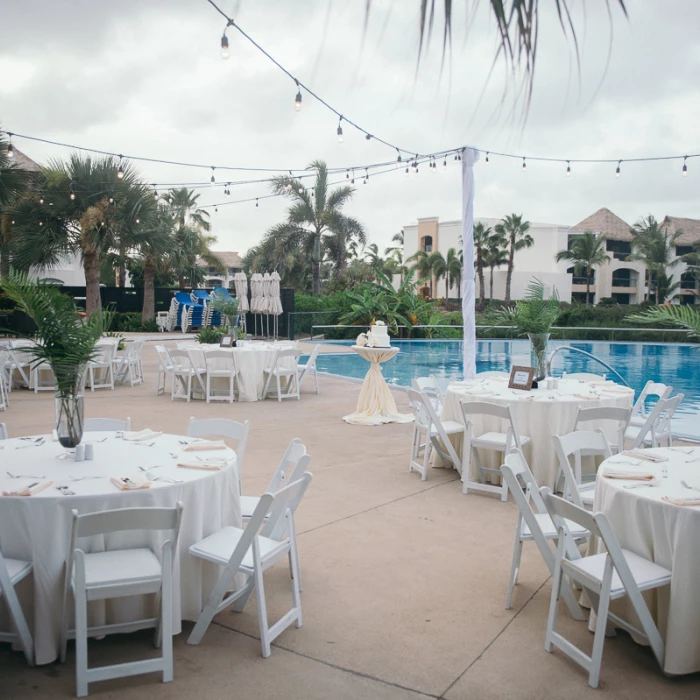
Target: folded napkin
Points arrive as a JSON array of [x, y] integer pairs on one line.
[[130, 483], [142, 435], [682, 501], [644, 455], [617, 390], [588, 397], [207, 466], [602, 383], [29, 490], [632, 475], [208, 445]]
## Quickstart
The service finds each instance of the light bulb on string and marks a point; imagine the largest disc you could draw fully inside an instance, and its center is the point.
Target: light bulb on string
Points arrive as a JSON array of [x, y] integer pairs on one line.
[[568, 169], [170, 201], [366, 176], [617, 172], [347, 174], [444, 163], [408, 171], [301, 190], [213, 179], [487, 156], [120, 169], [41, 200], [256, 202], [41, 223], [459, 156], [685, 166], [111, 200], [10, 149], [224, 42], [72, 194], [138, 221], [352, 179], [227, 191], [368, 136], [398, 156], [340, 131], [524, 165], [155, 191], [297, 99], [216, 210]]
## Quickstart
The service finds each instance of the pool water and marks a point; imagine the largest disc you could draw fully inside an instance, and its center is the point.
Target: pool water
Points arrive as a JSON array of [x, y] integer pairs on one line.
[[674, 364]]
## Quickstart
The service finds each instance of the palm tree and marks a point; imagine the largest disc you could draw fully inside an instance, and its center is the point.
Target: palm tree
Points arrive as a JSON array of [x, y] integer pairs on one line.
[[80, 207], [454, 269], [423, 267], [395, 266], [372, 256], [585, 252], [515, 231], [313, 221], [396, 238], [438, 266], [654, 246], [481, 237], [495, 255]]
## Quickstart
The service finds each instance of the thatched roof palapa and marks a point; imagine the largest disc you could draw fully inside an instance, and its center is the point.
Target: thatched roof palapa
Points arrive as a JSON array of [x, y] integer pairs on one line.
[[607, 223]]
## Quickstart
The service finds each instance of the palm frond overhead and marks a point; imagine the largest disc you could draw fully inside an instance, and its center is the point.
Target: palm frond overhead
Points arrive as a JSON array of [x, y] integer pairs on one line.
[[685, 317]]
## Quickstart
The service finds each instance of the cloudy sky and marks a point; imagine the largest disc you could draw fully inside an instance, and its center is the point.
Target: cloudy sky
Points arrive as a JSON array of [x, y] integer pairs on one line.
[[146, 78]]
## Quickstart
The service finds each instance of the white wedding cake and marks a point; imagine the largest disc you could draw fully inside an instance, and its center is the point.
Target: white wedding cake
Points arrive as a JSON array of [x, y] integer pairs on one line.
[[378, 336]]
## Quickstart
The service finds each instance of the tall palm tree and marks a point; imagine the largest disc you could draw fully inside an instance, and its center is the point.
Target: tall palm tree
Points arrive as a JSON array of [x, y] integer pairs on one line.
[[453, 262], [372, 256], [585, 252], [315, 221], [654, 246], [80, 207], [398, 239], [423, 267], [438, 266], [495, 255], [481, 237], [515, 231]]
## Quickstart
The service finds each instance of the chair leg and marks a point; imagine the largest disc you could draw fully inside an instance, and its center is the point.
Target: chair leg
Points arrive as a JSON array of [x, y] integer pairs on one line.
[[296, 580], [20, 624], [81, 643], [166, 608], [208, 388], [262, 612], [515, 566], [467, 468], [316, 378], [279, 388], [599, 636]]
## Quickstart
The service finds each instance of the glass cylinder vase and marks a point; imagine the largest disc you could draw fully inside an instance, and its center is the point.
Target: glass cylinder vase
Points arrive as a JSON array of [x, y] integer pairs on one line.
[[538, 354], [69, 408]]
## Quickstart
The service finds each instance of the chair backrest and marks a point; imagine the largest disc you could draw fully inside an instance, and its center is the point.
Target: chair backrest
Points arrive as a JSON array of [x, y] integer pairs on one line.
[[287, 352], [560, 510], [426, 385], [669, 407], [651, 388], [223, 427], [447, 451], [219, 361], [416, 403], [136, 348], [288, 467], [105, 352], [311, 362], [574, 444], [3, 431], [515, 469], [197, 359], [477, 408], [94, 424], [164, 359], [440, 385], [180, 359], [284, 506], [658, 420], [603, 413], [584, 376]]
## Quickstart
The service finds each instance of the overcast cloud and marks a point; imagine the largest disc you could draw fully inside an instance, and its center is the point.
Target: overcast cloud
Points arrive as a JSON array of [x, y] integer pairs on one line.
[[146, 78]]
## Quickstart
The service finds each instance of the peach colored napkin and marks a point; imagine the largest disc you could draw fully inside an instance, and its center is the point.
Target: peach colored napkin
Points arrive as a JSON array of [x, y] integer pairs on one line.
[[584, 396], [207, 466], [605, 382], [634, 476], [682, 501], [209, 445], [617, 390], [29, 491], [142, 435], [644, 455], [125, 483]]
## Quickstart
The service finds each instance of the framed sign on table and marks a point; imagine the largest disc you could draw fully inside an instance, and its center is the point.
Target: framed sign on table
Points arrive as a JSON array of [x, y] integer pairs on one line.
[[521, 378], [226, 341]]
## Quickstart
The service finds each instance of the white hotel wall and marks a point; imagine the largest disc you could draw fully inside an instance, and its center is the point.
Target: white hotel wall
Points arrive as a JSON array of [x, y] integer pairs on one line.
[[537, 261]]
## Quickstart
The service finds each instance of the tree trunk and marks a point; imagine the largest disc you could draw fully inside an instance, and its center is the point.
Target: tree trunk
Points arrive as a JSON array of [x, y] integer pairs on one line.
[[121, 276], [5, 245], [482, 288], [91, 266], [491, 286], [509, 273], [181, 282], [588, 286], [149, 296], [316, 265]]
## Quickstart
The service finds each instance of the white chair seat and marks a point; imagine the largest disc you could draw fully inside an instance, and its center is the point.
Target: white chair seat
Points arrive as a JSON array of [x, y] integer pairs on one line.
[[632, 431], [646, 573], [219, 547], [549, 530], [488, 439], [17, 570], [248, 505], [123, 567], [451, 427], [638, 421]]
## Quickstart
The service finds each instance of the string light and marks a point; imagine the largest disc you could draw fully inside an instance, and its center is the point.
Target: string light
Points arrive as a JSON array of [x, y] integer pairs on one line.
[[340, 130], [41, 200], [256, 202], [111, 200], [227, 191], [120, 170], [685, 166], [170, 201], [301, 190], [224, 41], [524, 165], [366, 180], [487, 156], [368, 136], [138, 221], [407, 171], [352, 180], [444, 163], [568, 169], [10, 150], [398, 156], [297, 99], [72, 194], [213, 179], [347, 174], [617, 172], [216, 210], [155, 191]]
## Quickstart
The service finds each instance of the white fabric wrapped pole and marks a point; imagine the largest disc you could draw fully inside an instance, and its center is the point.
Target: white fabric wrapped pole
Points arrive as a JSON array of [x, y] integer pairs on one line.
[[469, 158]]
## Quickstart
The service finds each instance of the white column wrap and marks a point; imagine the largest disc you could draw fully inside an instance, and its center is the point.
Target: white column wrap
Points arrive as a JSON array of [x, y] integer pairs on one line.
[[469, 157]]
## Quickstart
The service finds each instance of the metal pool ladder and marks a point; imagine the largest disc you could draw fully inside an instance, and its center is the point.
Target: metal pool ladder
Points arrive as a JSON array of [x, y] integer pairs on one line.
[[587, 354]]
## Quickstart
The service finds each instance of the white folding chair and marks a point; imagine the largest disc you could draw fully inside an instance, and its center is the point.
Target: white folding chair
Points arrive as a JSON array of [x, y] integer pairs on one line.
[[128, 365], [584, 376], [220, 364], [118, 573], [223, 427], [285, 365], [429, 387], [42, 378], [21, 362], [440, 386], [607, 413], [576, 445], [198, 363], [165, 368], [656, 430], [534, 524], [12, 571], [102, 365], [490, 440], [3, 431], [651, 388], [617, 573], [429, 433], [181, 387], [107, 424], [4, 384], [309, 367], [268, 537]]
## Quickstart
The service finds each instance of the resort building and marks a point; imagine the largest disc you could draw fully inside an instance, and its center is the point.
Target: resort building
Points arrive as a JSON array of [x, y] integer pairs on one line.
[[216, 278], [430, 234]]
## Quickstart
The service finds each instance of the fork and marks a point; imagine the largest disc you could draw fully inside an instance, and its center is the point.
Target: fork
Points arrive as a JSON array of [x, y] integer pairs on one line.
[[82, 478], [688, 486], [637, 486], [24, 476], [36, 443], [141, 444], [167, 479]]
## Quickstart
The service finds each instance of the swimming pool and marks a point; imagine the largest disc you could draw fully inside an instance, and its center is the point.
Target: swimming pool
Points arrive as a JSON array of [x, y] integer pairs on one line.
[[675, 364]]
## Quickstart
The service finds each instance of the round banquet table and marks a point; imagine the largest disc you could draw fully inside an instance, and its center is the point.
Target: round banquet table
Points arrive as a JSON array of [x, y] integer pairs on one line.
[[375, 404], [669, 535], [37, 528], [539, 414], [251, 360]]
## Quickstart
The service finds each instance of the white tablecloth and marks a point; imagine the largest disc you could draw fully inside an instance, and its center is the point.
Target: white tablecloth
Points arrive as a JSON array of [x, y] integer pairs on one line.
[[376, 405], [37, 528], [539, 414], [669, 535], [251, 360]]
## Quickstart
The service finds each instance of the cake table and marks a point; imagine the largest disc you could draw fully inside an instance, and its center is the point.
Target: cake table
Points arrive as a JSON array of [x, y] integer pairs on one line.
[[376, 405]]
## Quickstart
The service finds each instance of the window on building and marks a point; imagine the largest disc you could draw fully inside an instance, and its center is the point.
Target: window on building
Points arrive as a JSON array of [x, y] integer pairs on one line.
[[621, 298], [688, 281], [623, 278], [683, 250], [427, 244], [619, 249], [581, 278]]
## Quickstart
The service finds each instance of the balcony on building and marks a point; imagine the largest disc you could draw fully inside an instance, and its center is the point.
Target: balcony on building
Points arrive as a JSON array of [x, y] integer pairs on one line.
[[619, 250]]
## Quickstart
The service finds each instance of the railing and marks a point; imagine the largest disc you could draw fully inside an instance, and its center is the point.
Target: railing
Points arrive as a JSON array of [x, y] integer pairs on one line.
[[630, 284], [582, 281]]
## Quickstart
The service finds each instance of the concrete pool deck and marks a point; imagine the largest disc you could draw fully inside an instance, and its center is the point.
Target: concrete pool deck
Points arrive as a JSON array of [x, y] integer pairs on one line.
[[404, 580]]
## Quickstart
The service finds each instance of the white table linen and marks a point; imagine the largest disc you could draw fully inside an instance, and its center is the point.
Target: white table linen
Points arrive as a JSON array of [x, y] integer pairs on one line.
[[539, 414], [667, 534], [37, 528], [376, 404], [251, 360]]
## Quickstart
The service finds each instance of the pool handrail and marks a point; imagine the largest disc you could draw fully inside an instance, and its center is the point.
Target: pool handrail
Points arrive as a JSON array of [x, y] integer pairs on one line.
[[587, 354]]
